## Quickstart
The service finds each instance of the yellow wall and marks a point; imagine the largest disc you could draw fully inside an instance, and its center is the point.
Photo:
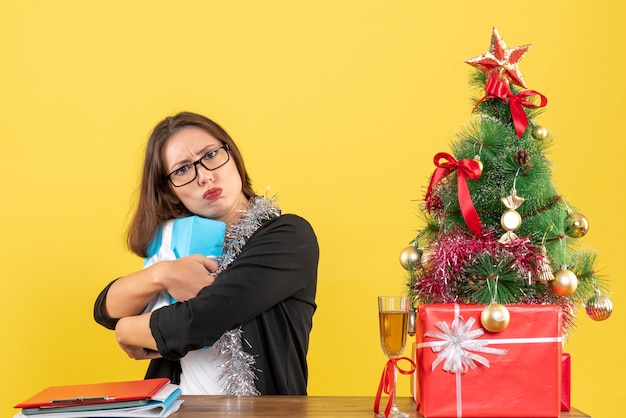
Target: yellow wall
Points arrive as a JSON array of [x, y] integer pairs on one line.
[[339, 107]]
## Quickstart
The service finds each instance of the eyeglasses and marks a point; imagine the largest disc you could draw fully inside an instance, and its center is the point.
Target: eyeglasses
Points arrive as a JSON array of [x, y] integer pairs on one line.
[[212, 160]]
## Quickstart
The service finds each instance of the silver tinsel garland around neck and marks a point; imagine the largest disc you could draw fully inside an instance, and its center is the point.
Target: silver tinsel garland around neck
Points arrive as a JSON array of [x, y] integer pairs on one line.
[[238, 372], [261, 210]]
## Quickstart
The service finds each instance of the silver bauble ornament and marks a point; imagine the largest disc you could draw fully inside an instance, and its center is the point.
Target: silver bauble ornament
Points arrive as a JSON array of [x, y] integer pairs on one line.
[[495, 317], [599, 307], [411, 326], [410, 257]]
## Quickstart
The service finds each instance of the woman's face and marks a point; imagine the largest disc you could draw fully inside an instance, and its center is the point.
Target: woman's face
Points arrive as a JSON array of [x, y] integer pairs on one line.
[[213, 194]]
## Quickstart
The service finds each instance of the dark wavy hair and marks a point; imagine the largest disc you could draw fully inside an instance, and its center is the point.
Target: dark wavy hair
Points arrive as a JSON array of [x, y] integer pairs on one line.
[[157, 201]]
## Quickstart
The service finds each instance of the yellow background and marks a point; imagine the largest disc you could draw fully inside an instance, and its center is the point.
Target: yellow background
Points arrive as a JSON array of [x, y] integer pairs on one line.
[[339, 107]]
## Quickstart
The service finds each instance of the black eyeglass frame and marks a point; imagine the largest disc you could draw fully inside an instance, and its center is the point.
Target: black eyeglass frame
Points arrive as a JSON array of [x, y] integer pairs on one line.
[[199, 161]]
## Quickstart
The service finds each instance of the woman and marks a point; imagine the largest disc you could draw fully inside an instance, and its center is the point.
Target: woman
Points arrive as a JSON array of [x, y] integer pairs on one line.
[[254, 308]]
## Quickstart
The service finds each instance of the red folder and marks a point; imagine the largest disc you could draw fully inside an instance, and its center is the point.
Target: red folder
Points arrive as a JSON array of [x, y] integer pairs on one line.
[[95, 393]]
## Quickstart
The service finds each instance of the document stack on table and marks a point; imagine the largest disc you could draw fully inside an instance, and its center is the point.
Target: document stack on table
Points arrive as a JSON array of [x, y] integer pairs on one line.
[[137, 398]]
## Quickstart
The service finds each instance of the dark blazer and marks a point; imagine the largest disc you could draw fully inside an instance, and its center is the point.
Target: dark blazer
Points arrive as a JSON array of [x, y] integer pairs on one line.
[[268, 290]]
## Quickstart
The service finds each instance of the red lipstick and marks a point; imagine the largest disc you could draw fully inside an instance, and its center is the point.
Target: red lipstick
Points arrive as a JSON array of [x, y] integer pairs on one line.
[[212, 194]]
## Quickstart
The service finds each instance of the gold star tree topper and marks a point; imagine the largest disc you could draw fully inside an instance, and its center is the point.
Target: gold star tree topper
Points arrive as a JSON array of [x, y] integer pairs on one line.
[[500, 61]]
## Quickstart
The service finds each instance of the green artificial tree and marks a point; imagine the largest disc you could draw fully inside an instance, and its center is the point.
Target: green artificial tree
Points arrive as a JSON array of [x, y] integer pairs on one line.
[[496, 229]]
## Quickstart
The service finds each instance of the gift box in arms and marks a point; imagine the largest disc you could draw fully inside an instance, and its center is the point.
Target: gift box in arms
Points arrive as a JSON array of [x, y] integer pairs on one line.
[[182, 237]]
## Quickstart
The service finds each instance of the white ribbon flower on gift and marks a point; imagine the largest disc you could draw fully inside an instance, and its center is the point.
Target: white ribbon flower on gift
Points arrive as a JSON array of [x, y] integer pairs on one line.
[[458, 346]]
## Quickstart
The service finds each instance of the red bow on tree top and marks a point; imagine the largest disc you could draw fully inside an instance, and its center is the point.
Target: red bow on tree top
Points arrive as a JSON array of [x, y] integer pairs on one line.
[[495, 88], [466, 169]]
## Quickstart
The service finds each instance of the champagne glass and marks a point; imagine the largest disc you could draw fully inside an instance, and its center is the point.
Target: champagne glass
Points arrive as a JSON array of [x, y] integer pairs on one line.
[[393, 314]]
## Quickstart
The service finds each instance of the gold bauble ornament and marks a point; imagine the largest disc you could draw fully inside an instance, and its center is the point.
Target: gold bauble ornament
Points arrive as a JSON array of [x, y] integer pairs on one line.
[[426, 260], [495, 317], [480, 163], [410, 257], [599, 307], [539, 132], [576, 225], [565, 282]]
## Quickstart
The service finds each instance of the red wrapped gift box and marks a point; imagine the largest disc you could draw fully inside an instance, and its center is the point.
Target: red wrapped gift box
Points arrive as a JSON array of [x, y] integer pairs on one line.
[[512, 373], [566, 382]]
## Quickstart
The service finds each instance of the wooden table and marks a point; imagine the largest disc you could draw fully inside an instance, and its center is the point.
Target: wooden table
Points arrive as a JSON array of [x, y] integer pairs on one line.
[[294, 406]]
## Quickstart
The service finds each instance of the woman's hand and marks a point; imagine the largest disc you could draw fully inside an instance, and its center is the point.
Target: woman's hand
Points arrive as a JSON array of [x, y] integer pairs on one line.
[[185, 277], [139, 353]]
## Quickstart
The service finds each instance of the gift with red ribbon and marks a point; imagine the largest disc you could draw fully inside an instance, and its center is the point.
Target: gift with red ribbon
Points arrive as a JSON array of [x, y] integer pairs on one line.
[[463, 370], [496, 88], [466, 169]]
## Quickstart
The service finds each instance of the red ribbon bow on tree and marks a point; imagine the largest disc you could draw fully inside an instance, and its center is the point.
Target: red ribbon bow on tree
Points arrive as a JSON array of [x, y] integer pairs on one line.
[[466, 169], [496, 88], [388, 382]]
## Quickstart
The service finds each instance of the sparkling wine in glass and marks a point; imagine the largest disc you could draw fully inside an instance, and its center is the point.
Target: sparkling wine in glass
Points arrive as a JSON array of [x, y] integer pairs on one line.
[[393, 316]]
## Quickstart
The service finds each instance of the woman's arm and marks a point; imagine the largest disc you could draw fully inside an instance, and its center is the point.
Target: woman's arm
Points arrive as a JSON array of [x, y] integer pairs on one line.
[[134, 337], [128, 295]]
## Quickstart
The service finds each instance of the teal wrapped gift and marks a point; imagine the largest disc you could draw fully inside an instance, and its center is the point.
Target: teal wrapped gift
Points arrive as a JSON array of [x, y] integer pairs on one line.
[[187, 236], [182, 237]]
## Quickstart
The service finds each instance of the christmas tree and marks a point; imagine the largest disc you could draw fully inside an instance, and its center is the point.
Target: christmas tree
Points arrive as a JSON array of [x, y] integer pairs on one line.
[[496, 231]]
